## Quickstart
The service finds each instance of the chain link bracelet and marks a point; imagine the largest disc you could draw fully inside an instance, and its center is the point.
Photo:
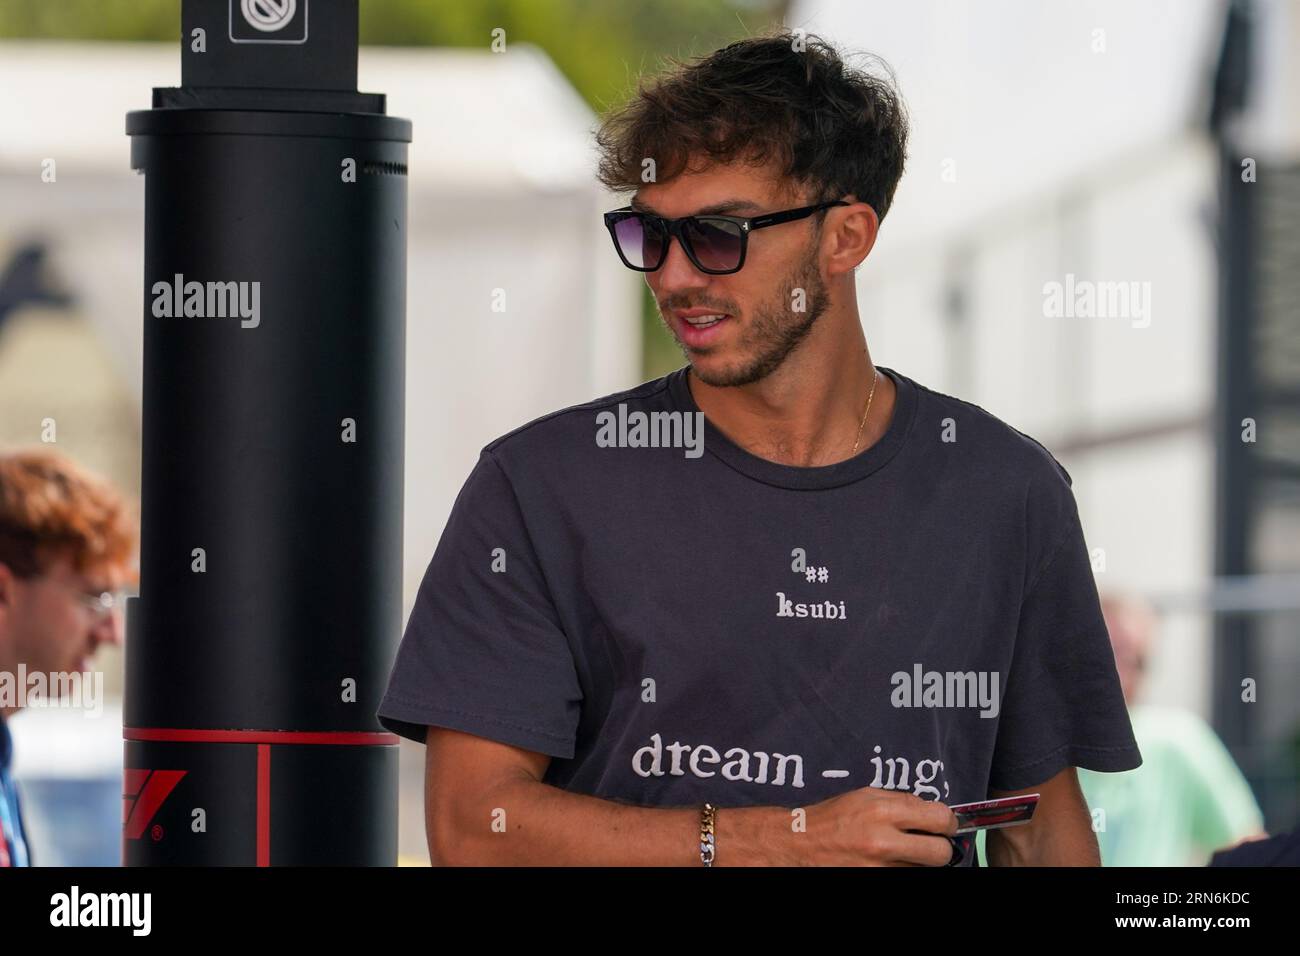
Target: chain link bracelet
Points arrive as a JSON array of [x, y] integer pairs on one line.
[[707, 846]]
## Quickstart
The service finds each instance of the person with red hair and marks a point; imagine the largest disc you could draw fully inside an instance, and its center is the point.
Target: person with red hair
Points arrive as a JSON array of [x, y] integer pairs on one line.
[[67, 547]]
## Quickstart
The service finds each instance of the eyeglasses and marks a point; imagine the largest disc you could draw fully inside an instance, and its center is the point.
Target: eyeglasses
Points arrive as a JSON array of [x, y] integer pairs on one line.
[[104, 602], [716, 245]]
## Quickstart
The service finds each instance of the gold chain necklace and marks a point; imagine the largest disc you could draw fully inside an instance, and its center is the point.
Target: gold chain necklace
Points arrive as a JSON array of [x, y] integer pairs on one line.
[[875, 374]]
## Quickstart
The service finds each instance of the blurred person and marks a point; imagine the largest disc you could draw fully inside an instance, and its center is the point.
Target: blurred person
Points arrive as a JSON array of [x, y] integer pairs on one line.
[[67, 541], [746, 610], [1188, 798]]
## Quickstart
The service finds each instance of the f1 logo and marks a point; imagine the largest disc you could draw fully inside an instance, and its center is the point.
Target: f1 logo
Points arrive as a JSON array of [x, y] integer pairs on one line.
[[143, 792], [268, 21]]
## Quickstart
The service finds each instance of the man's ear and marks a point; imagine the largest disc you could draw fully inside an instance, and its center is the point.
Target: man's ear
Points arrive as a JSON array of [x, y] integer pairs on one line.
[[854, 238]]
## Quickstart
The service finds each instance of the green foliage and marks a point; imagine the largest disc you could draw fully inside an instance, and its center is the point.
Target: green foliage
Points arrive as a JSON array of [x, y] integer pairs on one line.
[[91, 19], [600, 45]]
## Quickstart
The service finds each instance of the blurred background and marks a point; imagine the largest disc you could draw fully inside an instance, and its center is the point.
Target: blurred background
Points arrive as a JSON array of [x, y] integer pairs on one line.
[[1149, 143]]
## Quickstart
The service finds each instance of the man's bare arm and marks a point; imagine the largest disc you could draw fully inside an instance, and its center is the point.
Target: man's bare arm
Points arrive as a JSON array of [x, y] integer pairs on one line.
[[486, 804], [1060, 833]]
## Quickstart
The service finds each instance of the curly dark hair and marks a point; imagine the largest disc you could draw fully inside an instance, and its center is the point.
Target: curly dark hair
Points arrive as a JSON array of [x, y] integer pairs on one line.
[[781, 96]]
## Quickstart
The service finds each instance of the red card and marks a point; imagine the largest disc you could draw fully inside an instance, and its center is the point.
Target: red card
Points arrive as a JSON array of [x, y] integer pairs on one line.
[[995, 814]]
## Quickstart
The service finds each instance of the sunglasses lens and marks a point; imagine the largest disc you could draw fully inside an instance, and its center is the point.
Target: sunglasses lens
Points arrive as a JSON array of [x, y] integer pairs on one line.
[[640, 240], [715, 242]]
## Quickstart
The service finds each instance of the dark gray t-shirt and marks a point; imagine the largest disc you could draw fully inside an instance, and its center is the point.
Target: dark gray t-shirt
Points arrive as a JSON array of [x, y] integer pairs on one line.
[[673, 627]]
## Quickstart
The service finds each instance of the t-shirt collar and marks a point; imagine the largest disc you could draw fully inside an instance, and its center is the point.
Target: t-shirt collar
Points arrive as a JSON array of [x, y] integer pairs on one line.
[[794, 476]]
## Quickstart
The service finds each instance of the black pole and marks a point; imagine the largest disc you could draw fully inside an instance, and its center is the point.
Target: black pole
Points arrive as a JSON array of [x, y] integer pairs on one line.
[[1236, 472], [271, 540]]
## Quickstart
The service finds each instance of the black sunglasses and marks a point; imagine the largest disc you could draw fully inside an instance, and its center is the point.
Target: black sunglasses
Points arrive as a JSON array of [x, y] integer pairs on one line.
[[715, 244]]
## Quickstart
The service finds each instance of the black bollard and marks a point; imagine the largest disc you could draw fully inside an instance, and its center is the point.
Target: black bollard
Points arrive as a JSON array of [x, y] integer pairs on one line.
[[271, 540]]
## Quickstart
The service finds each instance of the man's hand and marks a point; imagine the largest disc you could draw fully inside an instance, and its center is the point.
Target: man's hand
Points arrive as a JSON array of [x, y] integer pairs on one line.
[[1060, 833], [868, 827]]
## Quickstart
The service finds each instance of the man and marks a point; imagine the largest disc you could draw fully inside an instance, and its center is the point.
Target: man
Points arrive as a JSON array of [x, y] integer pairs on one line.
[[1188, 798], [858, 603], [66, 547]]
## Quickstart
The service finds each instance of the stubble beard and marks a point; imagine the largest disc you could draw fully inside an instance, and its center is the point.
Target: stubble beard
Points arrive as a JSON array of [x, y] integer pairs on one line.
[[774, 332]]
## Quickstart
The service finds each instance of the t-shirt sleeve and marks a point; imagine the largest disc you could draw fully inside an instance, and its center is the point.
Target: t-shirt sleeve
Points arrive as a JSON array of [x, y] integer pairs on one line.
[[484, 651], [1062, 705]]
